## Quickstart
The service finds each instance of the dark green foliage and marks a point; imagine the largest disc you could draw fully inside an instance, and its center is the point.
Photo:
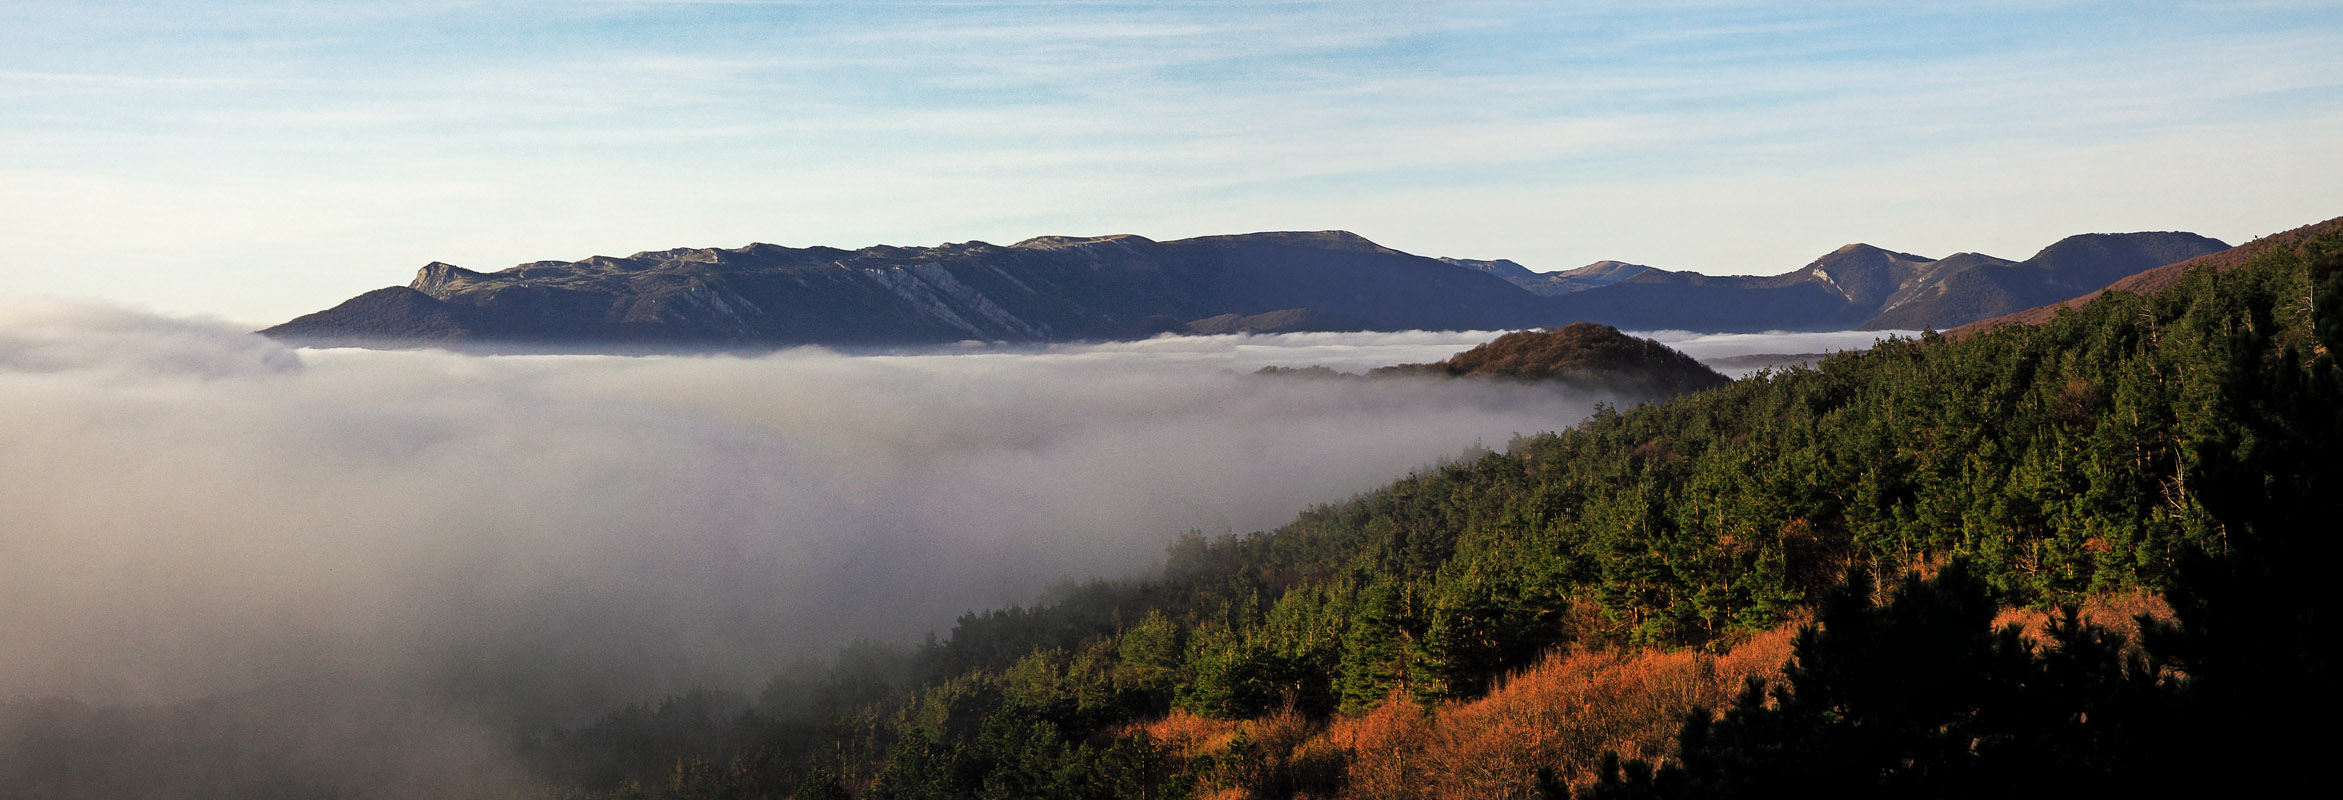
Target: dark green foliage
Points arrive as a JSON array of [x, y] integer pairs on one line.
[[1920, 697], [1381, 649], [2182, 442], [1015, 751], [820, 784]]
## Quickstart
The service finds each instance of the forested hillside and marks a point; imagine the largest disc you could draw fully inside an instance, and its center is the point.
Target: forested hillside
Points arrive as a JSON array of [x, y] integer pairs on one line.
[[2181, 443]]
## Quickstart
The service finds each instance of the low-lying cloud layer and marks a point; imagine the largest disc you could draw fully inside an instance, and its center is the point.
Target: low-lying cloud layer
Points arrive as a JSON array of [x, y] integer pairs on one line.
[[192, 512]]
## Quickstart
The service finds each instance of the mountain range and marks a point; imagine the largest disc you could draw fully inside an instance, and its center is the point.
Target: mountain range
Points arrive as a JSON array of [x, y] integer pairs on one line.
[[1060, 288]]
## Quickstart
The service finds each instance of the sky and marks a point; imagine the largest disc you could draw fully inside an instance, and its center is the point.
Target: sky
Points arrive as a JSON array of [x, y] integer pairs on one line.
[[251, 160]]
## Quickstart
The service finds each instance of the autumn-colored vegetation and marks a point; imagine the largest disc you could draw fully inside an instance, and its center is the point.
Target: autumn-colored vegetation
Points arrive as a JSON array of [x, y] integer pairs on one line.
[[2118, 613], [1465, 629], [1562, 715]]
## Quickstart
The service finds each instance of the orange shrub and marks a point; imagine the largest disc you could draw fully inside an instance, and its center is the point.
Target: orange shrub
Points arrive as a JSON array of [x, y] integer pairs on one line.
[[1566, 711], [1563, 713]]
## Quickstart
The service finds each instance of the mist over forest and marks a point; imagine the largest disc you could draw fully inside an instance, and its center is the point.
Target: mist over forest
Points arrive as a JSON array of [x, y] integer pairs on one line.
[[381, 551]]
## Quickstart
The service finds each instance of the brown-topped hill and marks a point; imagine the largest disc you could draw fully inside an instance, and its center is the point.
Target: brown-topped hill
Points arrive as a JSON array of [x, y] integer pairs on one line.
[[2155, 280], [1583, 354]]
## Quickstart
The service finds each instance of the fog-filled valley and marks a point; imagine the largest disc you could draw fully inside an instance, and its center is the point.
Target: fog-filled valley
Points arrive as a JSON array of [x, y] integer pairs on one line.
[[367, 558], [818, 400]]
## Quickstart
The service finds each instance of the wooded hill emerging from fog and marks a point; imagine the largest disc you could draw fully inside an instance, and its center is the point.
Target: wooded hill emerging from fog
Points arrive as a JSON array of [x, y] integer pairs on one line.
[[1059, 288], [2181, 442]]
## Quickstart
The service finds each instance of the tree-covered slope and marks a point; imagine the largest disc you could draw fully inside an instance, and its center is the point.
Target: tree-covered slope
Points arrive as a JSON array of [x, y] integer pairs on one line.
[[2175, 442]]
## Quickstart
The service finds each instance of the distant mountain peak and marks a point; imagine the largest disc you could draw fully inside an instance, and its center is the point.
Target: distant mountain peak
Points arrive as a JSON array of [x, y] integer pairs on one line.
[[2091, 260], [1867, 252], [1549, 284], [1337, 240], [439, 276], [1607, 264], [1063, 242], [1503, 267], [1337, 237], [1606, 271]]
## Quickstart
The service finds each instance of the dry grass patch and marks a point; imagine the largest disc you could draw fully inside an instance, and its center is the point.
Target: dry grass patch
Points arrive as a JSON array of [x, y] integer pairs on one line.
[[1563, 714], [2117, 613]]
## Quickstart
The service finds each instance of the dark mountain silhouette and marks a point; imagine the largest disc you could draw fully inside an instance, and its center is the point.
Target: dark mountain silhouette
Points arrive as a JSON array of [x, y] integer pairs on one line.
[[1044, 289], [2073, 265], [1058, 288], [1864, 287]]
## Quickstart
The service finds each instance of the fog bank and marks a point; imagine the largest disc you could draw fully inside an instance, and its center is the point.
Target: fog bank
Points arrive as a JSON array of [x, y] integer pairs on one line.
[[195, 512]]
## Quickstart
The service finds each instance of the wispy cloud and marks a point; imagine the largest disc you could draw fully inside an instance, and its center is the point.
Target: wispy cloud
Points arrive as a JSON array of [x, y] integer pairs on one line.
[[949, 121]]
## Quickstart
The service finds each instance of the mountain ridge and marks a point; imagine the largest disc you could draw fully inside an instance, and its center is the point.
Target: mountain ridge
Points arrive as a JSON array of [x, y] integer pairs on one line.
[[2153, 280], [1040, 289], [1866, 287], [1124, 286]]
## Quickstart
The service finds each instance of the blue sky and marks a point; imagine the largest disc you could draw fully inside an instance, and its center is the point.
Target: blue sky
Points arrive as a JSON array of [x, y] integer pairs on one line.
[[258, 159]]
